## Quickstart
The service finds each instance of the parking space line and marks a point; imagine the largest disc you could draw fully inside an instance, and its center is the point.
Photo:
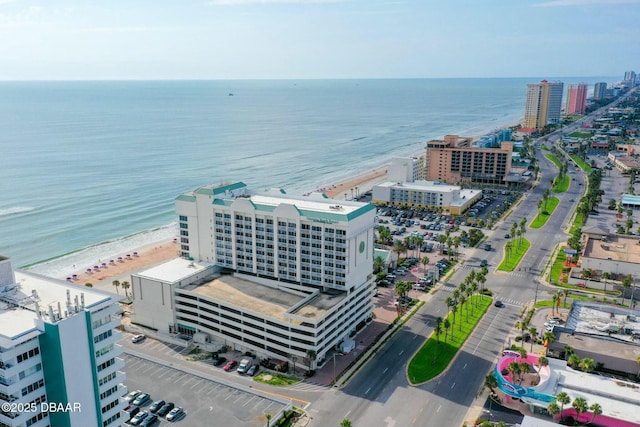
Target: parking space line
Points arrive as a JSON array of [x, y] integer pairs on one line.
[[248, 401], [195, 384]]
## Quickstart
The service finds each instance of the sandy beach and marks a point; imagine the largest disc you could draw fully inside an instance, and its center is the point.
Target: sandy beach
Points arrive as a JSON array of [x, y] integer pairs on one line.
[[121, 267]]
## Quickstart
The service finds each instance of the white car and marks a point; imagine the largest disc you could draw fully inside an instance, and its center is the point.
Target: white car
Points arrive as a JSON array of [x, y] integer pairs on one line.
[[138, 338], [550, 323]]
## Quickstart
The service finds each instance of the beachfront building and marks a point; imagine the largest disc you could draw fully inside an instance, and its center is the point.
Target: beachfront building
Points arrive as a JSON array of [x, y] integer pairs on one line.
[[425, 194], [576, 102], [600, 90], [629, 78], [405, 169], [282, 276], [453, 160], [543, 105], [58, 346]]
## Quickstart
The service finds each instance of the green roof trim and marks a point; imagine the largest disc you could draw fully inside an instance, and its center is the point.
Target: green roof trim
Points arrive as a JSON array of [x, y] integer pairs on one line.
[[186, 198], [234, 186]]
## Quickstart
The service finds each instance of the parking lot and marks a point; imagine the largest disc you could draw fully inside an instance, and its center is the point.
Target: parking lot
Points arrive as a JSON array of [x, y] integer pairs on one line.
[[204, 400]]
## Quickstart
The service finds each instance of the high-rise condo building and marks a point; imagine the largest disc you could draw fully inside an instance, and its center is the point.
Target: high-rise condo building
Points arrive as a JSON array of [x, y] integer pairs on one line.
[[453, 160], [576, 99], [59, 363], [630, 78], [543, 105], [600, 90], [278, 275]]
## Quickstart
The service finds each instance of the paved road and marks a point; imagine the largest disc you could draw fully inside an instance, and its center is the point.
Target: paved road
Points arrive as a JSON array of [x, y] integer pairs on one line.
[[380, 394]]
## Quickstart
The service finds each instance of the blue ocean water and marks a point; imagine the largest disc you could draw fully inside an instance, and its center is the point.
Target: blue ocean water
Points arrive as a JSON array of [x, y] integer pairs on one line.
[[94, 167]]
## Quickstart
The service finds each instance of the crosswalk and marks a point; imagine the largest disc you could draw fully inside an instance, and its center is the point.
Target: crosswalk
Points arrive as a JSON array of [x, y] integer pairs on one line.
[[515, 274], [507, 301]]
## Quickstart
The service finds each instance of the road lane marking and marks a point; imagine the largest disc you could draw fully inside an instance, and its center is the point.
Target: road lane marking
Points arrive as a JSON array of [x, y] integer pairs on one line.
[[438, 410], [453, 385], [400, 354], [367, 390], [385, 370], [465, 365], [347, 414]]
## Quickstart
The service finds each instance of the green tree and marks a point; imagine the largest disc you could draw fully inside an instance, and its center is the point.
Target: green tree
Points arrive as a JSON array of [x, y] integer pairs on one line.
[[580, 405], [268, 417], [596, 410], [533, 331], [116, 284], [626, 284], [491, 382], [553, 409], [587, 365], [346, 423], [125, 285], [425, 261], [564, 399], [542, 362], [446, 324], [606, 276], [89, 285], [378, 264], [573, 361]]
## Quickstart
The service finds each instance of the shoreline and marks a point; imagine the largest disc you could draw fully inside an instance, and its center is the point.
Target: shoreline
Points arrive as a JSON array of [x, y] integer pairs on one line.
[[153, 253]]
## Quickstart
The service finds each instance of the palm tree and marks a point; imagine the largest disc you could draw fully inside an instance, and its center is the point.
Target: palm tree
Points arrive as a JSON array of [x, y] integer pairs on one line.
[[125, 285], [522, 325], [542, 361], [116, 283], [268, 416], [580, 405], [596, 410], [346, 423], [454, 309], [587, 364], [553, 409], [89, 285], [556, 297], [626, 283], [446, 324], [311, 357], [533, 331], [378, 264], [481, 278], [573, 361], [438, 331], [425, 262], [491, 382], [565, 294], [515, 369], [463, 300], [548, 338], [564, 399]]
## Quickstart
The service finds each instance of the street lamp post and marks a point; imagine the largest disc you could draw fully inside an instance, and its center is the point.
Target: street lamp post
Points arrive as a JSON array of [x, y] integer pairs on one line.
[[334, 368]]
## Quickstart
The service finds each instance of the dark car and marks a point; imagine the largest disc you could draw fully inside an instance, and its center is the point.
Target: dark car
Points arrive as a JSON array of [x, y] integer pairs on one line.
[[155, 406], [253, 369], [499, 304], [230, 366], [166, 408], [507, 236], [149, 420], [218, 360], [132, 411]]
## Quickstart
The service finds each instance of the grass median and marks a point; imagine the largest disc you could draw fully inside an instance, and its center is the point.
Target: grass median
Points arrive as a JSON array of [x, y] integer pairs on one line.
[[561, 184], [436, 354], [581, 163], [513, 256], [542, 217], [554, 159]]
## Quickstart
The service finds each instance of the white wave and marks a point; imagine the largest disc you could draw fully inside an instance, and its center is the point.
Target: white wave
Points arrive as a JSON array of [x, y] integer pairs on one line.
[[15, 210], [103, 252]]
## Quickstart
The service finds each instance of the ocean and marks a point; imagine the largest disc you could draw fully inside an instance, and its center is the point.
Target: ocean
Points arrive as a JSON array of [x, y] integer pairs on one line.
[[92, 168]]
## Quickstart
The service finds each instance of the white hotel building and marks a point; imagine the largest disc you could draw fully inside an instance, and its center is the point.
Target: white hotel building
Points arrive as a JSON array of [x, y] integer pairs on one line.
[[275, 274], [58, 345]]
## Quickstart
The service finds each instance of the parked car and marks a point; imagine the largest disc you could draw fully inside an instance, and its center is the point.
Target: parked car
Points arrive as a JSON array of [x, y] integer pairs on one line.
[[218, 360], [498, 304], [155, 406], [244, 366], [132, 411], [132, 395], [230, 365], [175, 414], [149, 420], [138, 338], [166, 408], [135, 421], [483, 263], [253, 370], [142, 399]]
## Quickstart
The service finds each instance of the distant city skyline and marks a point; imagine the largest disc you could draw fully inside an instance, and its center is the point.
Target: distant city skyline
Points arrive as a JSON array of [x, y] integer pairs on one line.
[[309, 39]]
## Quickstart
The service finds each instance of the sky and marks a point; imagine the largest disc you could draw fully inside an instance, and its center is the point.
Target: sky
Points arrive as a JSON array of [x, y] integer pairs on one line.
[[314, 39]]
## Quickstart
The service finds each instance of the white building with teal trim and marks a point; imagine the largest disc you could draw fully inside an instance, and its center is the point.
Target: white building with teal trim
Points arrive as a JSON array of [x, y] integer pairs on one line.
[[302, 271], [58, 346]]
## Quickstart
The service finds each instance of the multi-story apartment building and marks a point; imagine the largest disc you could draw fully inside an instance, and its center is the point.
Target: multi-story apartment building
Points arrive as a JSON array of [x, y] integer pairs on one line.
[[600, 90], [453, 161], [59, 363], [426, 194], [576, 99], [405, 169], [543, 105], [302, 271], [629, 78]]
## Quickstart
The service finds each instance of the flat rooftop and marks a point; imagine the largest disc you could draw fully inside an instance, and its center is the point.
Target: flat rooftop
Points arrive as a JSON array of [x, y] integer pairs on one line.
[[18, 306], [615, 248], [619, 399], [174, 270], [605, 321], [313, 203], [266, 300], [422, 186]]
